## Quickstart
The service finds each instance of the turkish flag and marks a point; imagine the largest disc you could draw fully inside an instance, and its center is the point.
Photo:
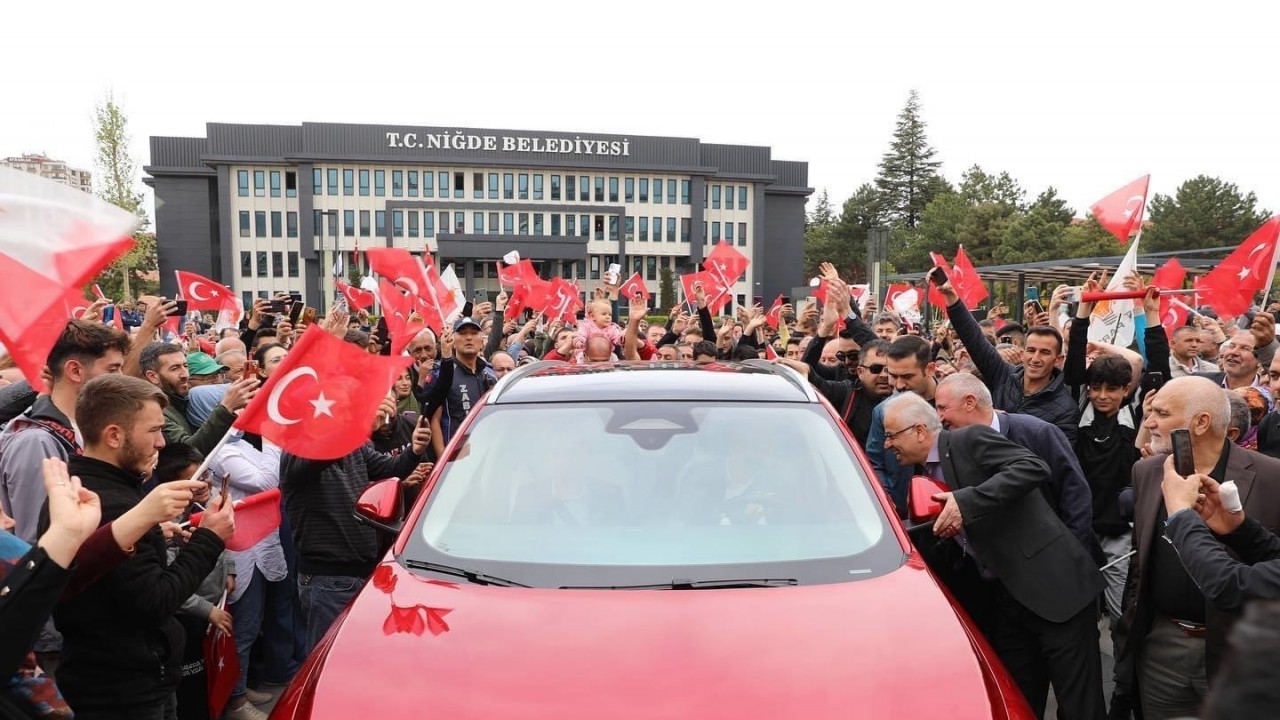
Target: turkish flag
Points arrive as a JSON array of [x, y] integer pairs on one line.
[[256, 517], [397, 309], [726, 263], [965, 278], [53, 241], [201, 293], [1170, 276], [561, 300], [1232, 284], [517, 303], [773, 318], [221, 665], [770, 353], [513, 275], [1121, 211], [634, 287], [439, 302], [717, 291], [858, 293], [902, 298], [321, 401], [400, 268], [935, 295], [356, 298]]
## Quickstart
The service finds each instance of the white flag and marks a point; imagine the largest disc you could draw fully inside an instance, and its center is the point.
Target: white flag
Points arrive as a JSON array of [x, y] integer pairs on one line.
[[1112, 320]]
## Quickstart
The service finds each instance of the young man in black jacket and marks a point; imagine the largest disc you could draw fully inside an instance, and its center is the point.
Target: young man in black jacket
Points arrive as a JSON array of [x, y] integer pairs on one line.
[[122, 646]]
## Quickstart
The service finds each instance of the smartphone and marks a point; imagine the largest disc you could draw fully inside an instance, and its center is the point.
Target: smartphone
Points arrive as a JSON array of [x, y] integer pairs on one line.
[[295, 296], [1152, 381], [1183, 461], [938, 276], [478, 295], [108, 314], [180, 310], [295, 311], [308, 317], [250, 369], [276, 306]]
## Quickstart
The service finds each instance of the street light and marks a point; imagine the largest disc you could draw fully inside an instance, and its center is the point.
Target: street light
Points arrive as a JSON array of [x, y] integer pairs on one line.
[[320, 253]]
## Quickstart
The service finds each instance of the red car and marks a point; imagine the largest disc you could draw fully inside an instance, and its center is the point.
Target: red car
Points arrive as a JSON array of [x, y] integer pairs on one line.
[[649, 541]]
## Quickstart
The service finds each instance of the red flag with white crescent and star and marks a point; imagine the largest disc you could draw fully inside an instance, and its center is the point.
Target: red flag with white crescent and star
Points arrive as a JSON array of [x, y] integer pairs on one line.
[[356, 298], [201, 293], [400, 268], [322, 399], [1170, 276], [717, 293], [1121, 211], [221, 666], [774, 317], [634, 287], [1232, 284], [513, 276], [398, 309], [965, 278]]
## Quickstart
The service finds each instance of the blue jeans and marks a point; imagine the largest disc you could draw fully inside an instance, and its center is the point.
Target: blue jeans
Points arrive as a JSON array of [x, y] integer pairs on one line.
[[269, 607], [324, 597]]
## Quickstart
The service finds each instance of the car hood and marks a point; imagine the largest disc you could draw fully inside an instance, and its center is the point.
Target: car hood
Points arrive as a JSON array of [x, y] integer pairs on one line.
[[890, 646]]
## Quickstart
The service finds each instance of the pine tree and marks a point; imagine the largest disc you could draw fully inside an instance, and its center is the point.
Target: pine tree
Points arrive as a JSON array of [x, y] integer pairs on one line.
[[823, 214], [907, 171]]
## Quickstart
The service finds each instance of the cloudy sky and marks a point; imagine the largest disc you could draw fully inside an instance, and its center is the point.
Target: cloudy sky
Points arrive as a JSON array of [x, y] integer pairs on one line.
[[1084, 96]]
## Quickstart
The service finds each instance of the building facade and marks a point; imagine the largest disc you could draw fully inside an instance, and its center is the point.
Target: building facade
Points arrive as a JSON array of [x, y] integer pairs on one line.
[[265, 208], [58, 170]]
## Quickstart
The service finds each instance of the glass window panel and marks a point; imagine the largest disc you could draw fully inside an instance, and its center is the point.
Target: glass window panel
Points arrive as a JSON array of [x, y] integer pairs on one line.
[[444, 185], [524, 186], [657, 228], [728, 197], [413, 223], [671, 229], [613, 228], [349, 223], [348, 182], [244, 223], [629, 190], [555, 187], [277, 224], [570, 187], [290, 183], [428, 184], [671, 192], [684, 191], [644, 229], [413, 183], [537, 186], [555, 224], [262, 263], [508, 223], [397, 223], [584, 187], [584, 226], [524, 223], [570, 224], [428, 221], [537, 224], [715, 197], [260, 223], [477, 186], [397, 183], [613, 189], [293, 263], [246, 263], [644, 190], [365, 224], [332, 181], [291, 224], [508, 186], [317, 181], [259, 183], [380, 183], [275, 183], [380, 223], [477, 219], [742, 197], [242, 180], [657, 191], [599, 188], [493, 223], [277, 263], [459, 184], [629, 230]]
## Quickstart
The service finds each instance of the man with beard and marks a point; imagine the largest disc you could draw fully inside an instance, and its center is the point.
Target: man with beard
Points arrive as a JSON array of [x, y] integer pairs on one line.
[[165, 366], [1239, 359], [464, 378], [855, 398], [122, 645]]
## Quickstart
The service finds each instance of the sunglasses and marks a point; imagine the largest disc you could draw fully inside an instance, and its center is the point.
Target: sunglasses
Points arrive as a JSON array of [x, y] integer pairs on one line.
[[875, 368], [845, 356]]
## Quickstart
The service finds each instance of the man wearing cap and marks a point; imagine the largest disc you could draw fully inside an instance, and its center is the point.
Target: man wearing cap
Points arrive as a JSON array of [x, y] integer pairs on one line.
[[205, 370], [464, 378]]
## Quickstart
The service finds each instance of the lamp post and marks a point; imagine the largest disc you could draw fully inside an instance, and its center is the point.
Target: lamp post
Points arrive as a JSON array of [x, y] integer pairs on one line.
[[320, 306]]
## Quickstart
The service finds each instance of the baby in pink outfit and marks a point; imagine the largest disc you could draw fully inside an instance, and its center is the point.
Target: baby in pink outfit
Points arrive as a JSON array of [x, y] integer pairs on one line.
[[599, 321]]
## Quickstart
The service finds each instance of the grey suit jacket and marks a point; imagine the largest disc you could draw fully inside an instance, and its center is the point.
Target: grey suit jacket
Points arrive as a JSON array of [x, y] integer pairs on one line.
[[1011, 527]]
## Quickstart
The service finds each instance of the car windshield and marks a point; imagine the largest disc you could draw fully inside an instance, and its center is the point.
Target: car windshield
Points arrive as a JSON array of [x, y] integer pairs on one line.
[[572, 495]]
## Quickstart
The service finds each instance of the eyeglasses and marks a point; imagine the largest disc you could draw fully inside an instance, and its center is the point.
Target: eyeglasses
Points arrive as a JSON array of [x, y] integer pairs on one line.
[[875, 368], [845, 356], [892, 437]]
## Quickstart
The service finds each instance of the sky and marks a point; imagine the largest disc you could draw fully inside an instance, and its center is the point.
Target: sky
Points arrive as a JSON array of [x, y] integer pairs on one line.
[[1083, 96]]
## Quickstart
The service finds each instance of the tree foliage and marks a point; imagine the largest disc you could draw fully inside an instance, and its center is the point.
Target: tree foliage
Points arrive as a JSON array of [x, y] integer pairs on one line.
[[1204, 212], [116, 173], [908, 171]]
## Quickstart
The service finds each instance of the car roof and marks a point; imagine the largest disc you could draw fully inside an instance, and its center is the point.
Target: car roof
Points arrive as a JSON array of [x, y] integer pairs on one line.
[[557, 381]]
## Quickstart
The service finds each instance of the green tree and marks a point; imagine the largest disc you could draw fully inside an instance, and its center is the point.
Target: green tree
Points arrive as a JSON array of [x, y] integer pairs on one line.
[[908, 172], [1052, 207], [1088, 239], [1204, 212], [666, 287], [936, 232], [823, 213], [841, 240], [116, 176], [1036, 234], [979, 188], [142, 265]]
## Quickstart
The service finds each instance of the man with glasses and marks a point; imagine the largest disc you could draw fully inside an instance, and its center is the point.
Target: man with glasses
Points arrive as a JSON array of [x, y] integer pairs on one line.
[[910, 367], [1038, 586], [856, 397], [1239, 360]]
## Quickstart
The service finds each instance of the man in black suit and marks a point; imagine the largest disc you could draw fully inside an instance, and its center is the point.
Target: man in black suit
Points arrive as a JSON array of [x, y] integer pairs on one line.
[[1170, 633], [1042, 582]]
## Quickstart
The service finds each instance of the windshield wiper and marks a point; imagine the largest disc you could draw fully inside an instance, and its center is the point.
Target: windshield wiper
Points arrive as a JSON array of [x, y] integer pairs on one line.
[[472, 576], [687, 584]]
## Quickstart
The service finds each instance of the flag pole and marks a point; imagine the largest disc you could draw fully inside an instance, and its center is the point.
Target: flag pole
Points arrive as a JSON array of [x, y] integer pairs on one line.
[[204, 464]]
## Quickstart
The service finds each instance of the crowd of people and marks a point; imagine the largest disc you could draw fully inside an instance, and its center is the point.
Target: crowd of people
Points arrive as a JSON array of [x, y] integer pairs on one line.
[[1061, 505]]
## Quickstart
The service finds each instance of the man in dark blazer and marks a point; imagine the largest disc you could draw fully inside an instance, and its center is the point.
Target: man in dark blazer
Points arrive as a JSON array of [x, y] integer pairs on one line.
[[1042, 582], [1171, 635]]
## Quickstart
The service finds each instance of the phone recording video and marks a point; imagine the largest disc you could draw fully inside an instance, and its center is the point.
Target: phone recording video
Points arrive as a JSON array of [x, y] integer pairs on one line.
[[1183, 460], [938, 276]]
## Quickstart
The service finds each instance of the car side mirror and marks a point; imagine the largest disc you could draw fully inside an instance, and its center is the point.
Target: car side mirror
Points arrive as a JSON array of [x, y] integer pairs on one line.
[[379, 506], [921, 507]]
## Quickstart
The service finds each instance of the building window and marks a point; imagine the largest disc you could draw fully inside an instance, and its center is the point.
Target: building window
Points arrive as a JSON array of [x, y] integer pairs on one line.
[[242, 179], [459, 184], [397, 223], [570, 225], [555, 187], [671, 192], [728, 197], [657, 229], [524, 223], [629, 190], [477, 219], [259, 183], [348, 182], [262, 263], [644, 190], [728, 232], [397, 183], [585, 223], [333, 181], [671, 229], [629, 230], [365, 227], [275, 183], [244, 223], [685, 224], [290, 184], [524, 186], [555, 224], [317, 223], [428, 222], [537, 224], [595, 267], [380, 223], [380, 183], [657, 190], [493, 186], [317, 181], [348, 223], [742, 234], [260, 224], [277, 264], [444, 222], [293, 263], [684, 191], [715, 197], [413, 183], [276, 229], [613, 228], [537, 187], [246, 263], [599, 234], [413, 223], [493, 224], [644, 229], [599, 188], [715, 233], [428, 184], [580, 270], [584, 188], [247, 297], [742, 197], [444, 187], [570, 187], [508, 224], [508, 186], [613, 189], [291, 223], [477, 186]]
